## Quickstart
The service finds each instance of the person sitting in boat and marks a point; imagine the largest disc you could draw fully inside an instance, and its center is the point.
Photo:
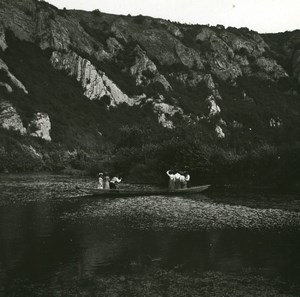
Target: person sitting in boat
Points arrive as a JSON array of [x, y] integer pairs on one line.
[[171, 175], [113, 182], [106, 182], [100, 181]]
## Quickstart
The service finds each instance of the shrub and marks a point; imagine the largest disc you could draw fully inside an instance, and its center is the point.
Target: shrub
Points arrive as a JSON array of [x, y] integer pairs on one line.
[[139, 19], [96, 12]]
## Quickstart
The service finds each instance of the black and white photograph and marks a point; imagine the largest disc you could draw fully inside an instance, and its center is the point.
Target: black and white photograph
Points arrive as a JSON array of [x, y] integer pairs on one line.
[[149, 148]]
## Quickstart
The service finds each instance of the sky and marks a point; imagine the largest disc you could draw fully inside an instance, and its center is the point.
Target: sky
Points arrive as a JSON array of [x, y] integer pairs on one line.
[[264, 16]]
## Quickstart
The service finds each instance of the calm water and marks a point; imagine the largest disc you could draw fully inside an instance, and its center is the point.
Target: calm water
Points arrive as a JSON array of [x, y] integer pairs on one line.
[[43, 240]]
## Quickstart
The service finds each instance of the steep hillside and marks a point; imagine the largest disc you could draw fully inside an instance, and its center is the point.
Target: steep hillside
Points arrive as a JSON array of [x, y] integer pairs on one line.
[[139, 95]]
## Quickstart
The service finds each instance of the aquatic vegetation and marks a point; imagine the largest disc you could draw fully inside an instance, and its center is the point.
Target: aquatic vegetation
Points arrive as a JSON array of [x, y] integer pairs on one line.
[[159, 213]]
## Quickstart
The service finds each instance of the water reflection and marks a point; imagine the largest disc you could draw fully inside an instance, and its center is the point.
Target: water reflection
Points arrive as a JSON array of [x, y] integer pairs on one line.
[[38, 245], [35, 242]]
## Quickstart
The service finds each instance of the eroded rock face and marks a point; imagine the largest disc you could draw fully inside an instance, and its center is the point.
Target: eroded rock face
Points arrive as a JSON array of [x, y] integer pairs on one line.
[[188, 56], [3, 44], [12, 78], [38, 22], [219, 132], [208, 79], [269, 70], [162, 45], [230, 55], [94, 82], [191, 79], [214, 108], [144, 65], [6, 86], [165, 113], [114, 46], [40, 126], [9, 118], [173, 29]]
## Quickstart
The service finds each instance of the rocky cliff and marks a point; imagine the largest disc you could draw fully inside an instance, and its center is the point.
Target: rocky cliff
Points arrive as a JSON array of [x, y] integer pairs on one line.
[[77, 77]]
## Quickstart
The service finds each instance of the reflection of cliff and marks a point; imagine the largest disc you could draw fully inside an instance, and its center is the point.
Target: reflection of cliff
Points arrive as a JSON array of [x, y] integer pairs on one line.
[[24, 234], [99, 249], [224, 253]]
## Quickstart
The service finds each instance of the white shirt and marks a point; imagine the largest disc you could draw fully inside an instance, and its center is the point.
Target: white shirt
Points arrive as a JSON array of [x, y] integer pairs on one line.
[[115, 180]]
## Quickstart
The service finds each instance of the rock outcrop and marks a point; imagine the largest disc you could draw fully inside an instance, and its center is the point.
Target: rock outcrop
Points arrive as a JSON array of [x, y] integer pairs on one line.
[[213, 107], [146, 71], [165, 113], [9, 118], [40, 126], [3, 44], [14, 81], [94, 82], [219, 132], [183, 71]]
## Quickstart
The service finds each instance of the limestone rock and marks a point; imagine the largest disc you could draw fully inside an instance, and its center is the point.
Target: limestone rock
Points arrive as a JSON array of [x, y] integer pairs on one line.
[[94, 82], [208, 79], [205, 34], [3, 44], [269, 69], [165, 112], [191, 79], [224, 68], [144, 64], [6, 86], [18, 17], [32, 151], [12, 78], [209, 82], [188, 56], [114, 46], [173, 29], [40, 23], [40, 126], [213, 107], [9, 118], [157, 43], [219, 132]]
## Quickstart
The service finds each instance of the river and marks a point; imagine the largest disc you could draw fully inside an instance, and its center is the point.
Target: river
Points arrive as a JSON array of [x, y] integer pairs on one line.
[[54, 242]]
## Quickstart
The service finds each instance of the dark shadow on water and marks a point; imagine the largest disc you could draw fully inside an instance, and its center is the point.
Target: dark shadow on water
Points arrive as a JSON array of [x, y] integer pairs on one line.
[[35, 243], [38, 246]]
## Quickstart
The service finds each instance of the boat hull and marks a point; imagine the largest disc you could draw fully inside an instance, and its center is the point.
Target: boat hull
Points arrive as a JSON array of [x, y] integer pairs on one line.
[[134, 193]]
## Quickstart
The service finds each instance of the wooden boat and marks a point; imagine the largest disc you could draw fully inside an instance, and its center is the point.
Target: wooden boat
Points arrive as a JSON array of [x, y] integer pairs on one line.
[[132, 193]]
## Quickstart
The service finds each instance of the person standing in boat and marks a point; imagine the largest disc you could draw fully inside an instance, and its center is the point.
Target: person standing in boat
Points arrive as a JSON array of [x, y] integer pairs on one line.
[[113, 182], [177, 180], [188, 179], [106, 182], [171, 175], [100, 181], [183, 181]]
